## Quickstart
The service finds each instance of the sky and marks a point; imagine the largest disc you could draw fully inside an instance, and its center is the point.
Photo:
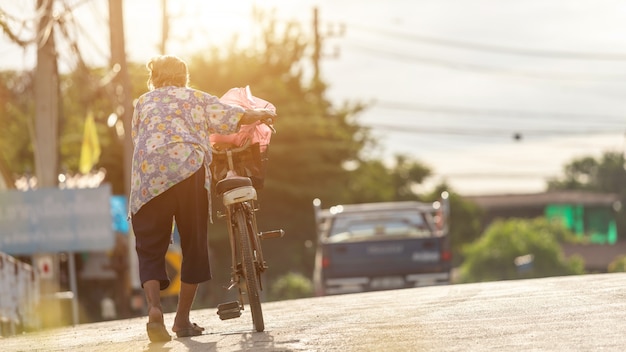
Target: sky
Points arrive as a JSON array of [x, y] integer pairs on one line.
[[448, 82]]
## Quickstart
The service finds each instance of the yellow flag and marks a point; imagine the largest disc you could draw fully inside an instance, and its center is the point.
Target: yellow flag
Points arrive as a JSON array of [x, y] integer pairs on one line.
[[90, 150]]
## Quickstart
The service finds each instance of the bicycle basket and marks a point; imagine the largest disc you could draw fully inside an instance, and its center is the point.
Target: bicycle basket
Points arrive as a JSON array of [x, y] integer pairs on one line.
[[250, 162]]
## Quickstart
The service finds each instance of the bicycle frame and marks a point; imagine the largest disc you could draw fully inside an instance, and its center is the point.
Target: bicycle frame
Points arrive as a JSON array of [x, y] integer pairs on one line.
[[247, 262], [242, 200]]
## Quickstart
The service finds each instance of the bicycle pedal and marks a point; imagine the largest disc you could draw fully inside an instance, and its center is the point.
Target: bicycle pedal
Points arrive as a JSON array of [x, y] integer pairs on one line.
[[226, 316], [272, 234], [229, 310], [228, 307]]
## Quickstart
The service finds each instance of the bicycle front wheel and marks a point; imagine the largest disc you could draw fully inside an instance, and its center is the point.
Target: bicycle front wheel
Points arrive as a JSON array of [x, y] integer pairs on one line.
[[249, 270]]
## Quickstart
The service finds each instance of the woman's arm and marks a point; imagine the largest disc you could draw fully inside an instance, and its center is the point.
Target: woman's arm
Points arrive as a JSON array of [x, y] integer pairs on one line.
[[254, 115]]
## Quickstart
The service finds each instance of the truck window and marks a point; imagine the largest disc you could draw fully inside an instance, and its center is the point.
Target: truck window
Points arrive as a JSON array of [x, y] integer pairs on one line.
[[353, 226]]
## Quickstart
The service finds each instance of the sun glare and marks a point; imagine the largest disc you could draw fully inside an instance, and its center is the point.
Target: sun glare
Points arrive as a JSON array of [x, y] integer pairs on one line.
[[207, 23], [198, 24]]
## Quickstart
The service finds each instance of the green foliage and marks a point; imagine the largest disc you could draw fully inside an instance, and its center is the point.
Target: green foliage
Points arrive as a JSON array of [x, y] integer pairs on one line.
[[81, 91], [291, 286], [16, 118], [493, 256], [606, 174], [369, 182], [81, 94], [618, 265], [405, 174], [372, 181]]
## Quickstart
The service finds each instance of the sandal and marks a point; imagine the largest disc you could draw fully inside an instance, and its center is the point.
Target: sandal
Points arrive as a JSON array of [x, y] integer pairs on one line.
[[193, 330], [157, 332]]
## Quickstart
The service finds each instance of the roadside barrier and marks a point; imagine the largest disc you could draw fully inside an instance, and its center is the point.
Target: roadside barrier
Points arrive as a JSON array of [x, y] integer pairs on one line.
[[19, 296]]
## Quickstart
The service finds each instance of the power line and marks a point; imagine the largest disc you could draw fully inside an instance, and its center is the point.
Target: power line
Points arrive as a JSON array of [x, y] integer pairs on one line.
[[85, 34], [494, 175], [568, 116], [483, 132], [487, 69], [39, 13], [458, 44]]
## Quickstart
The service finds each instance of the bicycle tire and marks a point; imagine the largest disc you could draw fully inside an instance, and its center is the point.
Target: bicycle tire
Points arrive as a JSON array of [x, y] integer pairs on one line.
[[249, 271]]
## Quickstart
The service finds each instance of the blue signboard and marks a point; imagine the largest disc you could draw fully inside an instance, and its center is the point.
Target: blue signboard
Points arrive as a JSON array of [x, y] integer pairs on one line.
[[56, 220], [119, 214]]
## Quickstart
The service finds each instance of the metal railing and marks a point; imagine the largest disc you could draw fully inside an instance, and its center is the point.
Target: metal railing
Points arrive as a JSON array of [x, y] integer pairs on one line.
[[19, 296]]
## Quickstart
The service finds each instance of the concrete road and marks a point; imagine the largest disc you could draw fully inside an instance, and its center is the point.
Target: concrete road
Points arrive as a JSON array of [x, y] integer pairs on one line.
[[574, 313]]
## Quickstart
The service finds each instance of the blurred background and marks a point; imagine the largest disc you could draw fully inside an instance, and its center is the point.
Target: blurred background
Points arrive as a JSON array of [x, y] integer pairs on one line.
[[514, 108], [494, 96]]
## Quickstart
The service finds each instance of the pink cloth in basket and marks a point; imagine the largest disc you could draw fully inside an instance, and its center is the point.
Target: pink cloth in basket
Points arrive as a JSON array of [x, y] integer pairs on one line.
[[257, 132]]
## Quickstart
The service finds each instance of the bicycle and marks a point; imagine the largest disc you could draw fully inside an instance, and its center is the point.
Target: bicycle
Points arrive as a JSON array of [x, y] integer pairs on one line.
[[238, 190]]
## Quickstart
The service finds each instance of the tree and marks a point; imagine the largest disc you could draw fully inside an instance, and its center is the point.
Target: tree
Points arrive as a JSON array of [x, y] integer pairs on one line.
[[372, 181], [494, 255], [405, 174], [16, 111], [291, 286], [604, 175], [82, 91]]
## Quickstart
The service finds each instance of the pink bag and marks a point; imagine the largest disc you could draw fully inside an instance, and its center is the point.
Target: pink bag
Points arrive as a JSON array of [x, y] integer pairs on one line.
[[257, 132]]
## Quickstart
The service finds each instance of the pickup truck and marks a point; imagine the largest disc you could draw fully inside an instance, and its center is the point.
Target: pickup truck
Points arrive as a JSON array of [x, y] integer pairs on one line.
[[381, 246]]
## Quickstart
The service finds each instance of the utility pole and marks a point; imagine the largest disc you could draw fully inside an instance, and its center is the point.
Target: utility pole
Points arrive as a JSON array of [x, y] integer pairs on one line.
[[45, 143], [165, 28], [317, 50], [46, 84], [124, 110], [121, 83]]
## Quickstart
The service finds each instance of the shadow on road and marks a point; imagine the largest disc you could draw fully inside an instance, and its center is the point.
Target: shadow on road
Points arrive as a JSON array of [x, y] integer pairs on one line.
[[259, 341], [190, 344]]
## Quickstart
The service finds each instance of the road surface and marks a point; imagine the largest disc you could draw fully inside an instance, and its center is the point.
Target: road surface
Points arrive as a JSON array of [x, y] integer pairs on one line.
[[573, 313]]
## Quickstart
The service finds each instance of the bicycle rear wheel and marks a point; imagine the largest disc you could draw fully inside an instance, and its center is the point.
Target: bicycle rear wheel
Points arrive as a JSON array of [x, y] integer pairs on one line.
[[249, 270]]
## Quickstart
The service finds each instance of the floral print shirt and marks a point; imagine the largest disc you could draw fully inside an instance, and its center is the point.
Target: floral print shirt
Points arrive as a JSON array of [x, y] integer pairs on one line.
[[170, 133]]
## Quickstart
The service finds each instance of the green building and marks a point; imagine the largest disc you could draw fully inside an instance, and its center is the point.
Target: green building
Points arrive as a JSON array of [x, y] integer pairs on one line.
[[588, 215]]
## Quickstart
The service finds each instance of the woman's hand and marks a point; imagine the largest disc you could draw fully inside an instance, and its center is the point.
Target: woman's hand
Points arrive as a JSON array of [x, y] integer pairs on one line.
[[254, 115]]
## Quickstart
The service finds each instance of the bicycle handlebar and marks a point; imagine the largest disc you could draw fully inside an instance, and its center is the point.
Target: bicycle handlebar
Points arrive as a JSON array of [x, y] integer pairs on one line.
[[267, 120], [231, 149]]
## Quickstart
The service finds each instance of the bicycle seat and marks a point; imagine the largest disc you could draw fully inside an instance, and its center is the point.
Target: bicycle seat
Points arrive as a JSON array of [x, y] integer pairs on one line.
[[232, 182]]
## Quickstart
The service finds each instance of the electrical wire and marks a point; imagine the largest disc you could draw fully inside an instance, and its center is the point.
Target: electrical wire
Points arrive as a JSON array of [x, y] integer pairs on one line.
[[564, 116], [495, 175], [484, 132], [22, 24], [615, 78], [66, 23], [499, 49], [39, 13]]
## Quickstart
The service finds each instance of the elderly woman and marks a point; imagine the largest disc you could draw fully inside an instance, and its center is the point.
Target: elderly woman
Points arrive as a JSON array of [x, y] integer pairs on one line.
[[171, 182]]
